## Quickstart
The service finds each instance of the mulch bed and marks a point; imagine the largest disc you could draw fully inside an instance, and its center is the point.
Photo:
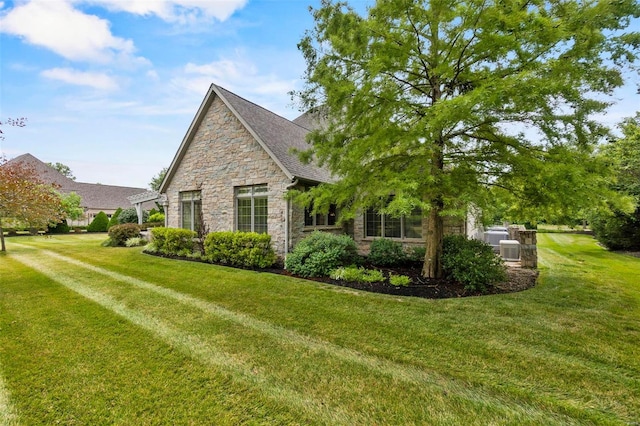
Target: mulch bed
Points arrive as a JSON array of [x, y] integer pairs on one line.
[[518, 279]]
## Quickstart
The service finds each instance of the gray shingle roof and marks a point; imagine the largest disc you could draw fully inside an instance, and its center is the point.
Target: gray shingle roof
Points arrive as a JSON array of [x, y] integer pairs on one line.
[[280, 136], [94, 196]]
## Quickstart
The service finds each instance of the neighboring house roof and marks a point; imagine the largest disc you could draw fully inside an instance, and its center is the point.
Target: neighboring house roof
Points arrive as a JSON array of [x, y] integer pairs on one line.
[[94, 196], [278, 136]]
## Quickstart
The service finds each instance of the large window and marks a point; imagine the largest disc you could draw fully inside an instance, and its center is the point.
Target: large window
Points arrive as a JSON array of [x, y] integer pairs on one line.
[[381, 225], [190, 209], [251, 209], [320, 219]]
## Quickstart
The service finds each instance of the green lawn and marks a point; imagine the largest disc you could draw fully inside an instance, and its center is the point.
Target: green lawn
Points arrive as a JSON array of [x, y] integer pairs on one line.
[[95, 335]]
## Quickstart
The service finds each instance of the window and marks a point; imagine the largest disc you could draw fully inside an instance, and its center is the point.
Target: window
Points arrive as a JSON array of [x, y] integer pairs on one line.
[[190, 209], [380, 225], [319, 219], [251, 209]]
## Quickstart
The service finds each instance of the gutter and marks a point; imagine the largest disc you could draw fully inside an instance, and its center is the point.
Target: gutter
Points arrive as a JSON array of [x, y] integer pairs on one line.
[[286, 217]]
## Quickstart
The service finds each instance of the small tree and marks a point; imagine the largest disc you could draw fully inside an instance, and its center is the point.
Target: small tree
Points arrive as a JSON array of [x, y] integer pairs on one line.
[[99, 223], [24, 197], [115, 218], [156, 181], [63, 169]]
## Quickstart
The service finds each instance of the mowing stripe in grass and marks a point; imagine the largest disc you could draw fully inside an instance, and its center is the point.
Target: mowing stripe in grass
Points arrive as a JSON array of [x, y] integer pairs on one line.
[[195, 347], [408, 374], [7, 412]]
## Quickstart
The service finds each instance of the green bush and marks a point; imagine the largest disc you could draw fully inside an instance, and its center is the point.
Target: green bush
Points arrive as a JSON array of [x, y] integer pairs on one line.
[[114, 218], [242, 249], [356, 274], [471, 262], [417, 254], [172, 240], [121, 233], [618, 231], [59, 228], [320, 253], [99, 223], [135, 242], [386, 252], [399, 280], [130, 216], [156, 217]]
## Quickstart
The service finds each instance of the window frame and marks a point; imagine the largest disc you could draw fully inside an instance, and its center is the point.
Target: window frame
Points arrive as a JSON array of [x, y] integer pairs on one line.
[[381, 225], [195, 214], [258, 192], [329, 219]]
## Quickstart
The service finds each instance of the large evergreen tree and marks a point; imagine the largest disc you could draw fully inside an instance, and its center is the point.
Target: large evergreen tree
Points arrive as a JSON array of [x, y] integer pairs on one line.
[[438, 101]]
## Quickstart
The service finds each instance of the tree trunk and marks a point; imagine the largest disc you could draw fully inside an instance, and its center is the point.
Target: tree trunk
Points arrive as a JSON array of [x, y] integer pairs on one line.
[[2, 237], [432, 267]]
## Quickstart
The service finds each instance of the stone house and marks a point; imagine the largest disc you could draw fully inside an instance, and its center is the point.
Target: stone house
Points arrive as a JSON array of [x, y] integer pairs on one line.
[[236, 163]]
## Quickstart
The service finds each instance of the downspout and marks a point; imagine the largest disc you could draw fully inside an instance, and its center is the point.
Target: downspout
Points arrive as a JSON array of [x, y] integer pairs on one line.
[[286, 217]]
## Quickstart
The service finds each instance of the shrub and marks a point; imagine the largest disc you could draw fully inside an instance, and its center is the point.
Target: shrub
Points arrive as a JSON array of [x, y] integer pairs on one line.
[[59, 228], [156, 217], [109, 242], [355, 274], [172, 240], [386, 252], [99, 223], [320, 253], [135, 242], [243, 249], [471, 262], [399, 280], [618, 231], [417, 254], [130, 216], [114, 218], [121, 233]]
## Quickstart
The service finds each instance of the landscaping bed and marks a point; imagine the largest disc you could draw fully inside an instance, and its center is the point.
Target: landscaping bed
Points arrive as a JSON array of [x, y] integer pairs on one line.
[[518, 279]]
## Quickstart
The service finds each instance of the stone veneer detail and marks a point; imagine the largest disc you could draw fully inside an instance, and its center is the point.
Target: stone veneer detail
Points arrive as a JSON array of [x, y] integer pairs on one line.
[[222, 156]]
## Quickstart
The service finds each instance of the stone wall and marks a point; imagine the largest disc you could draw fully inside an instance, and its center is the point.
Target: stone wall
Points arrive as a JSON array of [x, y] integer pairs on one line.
[[528, 245], [222, 156]]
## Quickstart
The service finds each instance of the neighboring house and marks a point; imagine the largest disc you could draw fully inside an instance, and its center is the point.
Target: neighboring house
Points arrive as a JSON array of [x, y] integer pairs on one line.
[[234, 167], [95, 197]]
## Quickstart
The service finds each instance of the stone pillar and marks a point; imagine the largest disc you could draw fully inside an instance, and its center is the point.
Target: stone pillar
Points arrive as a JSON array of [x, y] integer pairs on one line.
[[528, 249]]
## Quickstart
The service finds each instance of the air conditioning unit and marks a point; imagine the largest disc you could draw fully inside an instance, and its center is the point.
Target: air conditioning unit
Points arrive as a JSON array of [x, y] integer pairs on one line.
[[494, 236], [510, 249]]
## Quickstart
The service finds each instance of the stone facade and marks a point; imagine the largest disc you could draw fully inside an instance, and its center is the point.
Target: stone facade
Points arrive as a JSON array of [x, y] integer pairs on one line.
[[223, 156]]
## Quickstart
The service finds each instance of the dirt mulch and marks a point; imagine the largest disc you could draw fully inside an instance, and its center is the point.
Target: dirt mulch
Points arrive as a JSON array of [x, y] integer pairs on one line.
[[518, 279]]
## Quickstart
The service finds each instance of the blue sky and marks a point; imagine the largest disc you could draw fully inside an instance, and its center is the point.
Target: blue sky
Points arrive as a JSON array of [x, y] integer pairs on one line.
[[110, 87]]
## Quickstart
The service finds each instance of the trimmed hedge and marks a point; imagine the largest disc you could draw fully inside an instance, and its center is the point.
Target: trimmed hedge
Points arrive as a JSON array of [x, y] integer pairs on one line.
[[175, 241], [99, 223], [119, 234], [320, 253], [243, 249]]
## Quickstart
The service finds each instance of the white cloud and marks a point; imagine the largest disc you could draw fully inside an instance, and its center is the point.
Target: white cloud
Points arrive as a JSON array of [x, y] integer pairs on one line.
[[242, 77], [81, 78], [180, 11], [70, 33]]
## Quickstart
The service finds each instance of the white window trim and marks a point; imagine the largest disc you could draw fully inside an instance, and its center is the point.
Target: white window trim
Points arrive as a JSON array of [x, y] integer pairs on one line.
[[251, 195]]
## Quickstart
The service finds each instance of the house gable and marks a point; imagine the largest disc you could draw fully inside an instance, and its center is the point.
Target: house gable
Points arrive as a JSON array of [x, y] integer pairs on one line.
[[220, 156]]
